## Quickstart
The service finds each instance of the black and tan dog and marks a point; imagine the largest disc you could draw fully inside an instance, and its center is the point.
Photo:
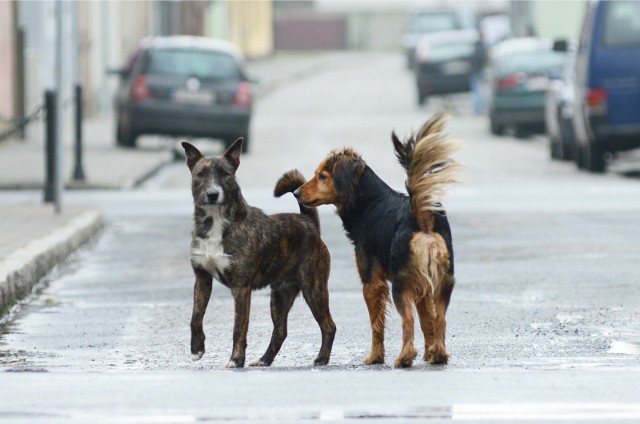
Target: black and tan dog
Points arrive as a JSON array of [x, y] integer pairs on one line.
[[398, 238], [246, 250]]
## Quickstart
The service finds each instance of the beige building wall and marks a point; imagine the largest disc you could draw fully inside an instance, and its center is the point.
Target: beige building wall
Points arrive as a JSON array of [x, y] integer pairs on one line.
[[250, 26], [7, 60], [109, 31], [217, 21]]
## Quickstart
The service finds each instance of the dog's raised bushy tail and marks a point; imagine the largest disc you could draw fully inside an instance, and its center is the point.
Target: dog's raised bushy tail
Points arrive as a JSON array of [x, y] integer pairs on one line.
[[426, 156], [289, 183]]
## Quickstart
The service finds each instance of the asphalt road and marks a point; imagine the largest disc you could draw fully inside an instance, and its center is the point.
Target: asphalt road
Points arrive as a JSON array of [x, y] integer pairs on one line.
[[543, 323]]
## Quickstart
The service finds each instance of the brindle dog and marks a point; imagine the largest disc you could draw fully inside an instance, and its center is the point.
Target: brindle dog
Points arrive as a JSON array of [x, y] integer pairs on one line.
[[245, 250]]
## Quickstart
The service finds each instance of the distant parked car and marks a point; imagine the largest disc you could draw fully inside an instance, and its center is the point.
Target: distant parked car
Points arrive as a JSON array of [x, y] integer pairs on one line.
[[423, 22], [518, 77], [184, 86], [444, 63], [607, 83], [559, 112]]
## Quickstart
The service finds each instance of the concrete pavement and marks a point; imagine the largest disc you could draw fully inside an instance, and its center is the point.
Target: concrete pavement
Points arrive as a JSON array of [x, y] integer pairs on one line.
[[33, 238]]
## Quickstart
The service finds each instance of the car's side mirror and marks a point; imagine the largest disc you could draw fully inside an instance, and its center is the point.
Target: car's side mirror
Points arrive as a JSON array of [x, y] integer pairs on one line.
[[251, 80], [560, 46], [121, 72]]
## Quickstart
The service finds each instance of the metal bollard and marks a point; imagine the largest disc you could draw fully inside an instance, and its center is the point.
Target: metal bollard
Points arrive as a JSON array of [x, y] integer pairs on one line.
[[78, 172], [50, 146]]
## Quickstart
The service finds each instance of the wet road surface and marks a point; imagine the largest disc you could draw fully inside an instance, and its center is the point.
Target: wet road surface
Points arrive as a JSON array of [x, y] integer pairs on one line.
[[545, 310]]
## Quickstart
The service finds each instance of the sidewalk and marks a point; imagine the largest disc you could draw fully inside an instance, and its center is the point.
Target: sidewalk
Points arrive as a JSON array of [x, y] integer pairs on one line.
[[33, 239]]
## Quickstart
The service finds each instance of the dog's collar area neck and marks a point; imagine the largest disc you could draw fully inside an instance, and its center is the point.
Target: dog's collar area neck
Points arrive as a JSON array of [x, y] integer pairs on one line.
[[224, 211]]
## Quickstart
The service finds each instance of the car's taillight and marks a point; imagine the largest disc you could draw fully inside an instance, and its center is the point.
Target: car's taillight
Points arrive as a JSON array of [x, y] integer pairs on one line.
[[597, 98], [243, 95], [422, 52], [510, 81], [140, 89]]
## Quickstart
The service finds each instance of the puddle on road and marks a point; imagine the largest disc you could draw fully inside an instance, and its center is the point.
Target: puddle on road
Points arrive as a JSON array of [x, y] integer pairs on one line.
[[626, 348]]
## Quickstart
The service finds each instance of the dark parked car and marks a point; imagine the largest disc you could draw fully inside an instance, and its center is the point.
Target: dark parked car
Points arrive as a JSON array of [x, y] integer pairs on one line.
[[423, 22], [444, 62], [518, 74], [184, 86], [559, 112], [607, 84]]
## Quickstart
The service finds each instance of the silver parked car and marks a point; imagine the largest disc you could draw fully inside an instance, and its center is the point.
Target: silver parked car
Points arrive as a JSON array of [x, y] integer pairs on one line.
[[184, 86]]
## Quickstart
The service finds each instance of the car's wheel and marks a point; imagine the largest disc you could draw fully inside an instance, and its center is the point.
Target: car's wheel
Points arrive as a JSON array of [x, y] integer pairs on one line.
[[555, 148], [519, 131], [125, 137], [566, 143], [593, 158], [496, 128], [578, 156], [566, 150], [422, 98]]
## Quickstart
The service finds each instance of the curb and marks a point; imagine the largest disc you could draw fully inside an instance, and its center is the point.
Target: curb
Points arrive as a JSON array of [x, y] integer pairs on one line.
[[21, 270]]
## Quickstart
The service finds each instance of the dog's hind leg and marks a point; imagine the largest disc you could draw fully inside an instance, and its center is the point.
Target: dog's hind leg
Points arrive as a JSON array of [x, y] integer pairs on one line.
[[316, 294], [201, 295], [281, 302], [438, 352], [426, 312], [242, 305], [404, 298]]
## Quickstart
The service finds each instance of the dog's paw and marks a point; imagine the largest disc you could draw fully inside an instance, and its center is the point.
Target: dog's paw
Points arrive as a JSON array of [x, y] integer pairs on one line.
[[437, 355], [406, 357], [196, 356], [258, 363], [374, 359], [320, 361], [403, 363], [235, 363]]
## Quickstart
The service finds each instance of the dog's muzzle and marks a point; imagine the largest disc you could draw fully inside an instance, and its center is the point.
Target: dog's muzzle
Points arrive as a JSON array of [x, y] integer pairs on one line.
[[213, 197]]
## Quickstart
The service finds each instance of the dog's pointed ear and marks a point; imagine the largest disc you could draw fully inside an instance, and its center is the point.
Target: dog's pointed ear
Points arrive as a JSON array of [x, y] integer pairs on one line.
[[232, 154], [192, 153]]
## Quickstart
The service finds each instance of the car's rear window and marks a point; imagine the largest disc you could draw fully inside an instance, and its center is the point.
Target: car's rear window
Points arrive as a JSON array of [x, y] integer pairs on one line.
[[203, 64], [448, 51], [423, 23], [532, 61], [621, 24]]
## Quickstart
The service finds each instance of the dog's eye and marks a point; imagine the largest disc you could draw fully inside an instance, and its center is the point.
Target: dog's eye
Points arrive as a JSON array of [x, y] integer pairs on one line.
[[201, 173], [225, 173], [322, 177]]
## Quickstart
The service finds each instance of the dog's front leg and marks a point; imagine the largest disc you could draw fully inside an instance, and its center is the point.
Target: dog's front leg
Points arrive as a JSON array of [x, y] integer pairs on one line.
[[376, 296], [242, 301], [201, 295]]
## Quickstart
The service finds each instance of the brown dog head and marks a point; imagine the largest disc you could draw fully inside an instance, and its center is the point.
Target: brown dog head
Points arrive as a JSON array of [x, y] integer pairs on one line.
[[335, 181], [213, 178]]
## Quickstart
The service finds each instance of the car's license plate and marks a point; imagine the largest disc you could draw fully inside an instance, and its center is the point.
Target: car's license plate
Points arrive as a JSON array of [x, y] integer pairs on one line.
[[456, 68], [538, 84], [197, 97]]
